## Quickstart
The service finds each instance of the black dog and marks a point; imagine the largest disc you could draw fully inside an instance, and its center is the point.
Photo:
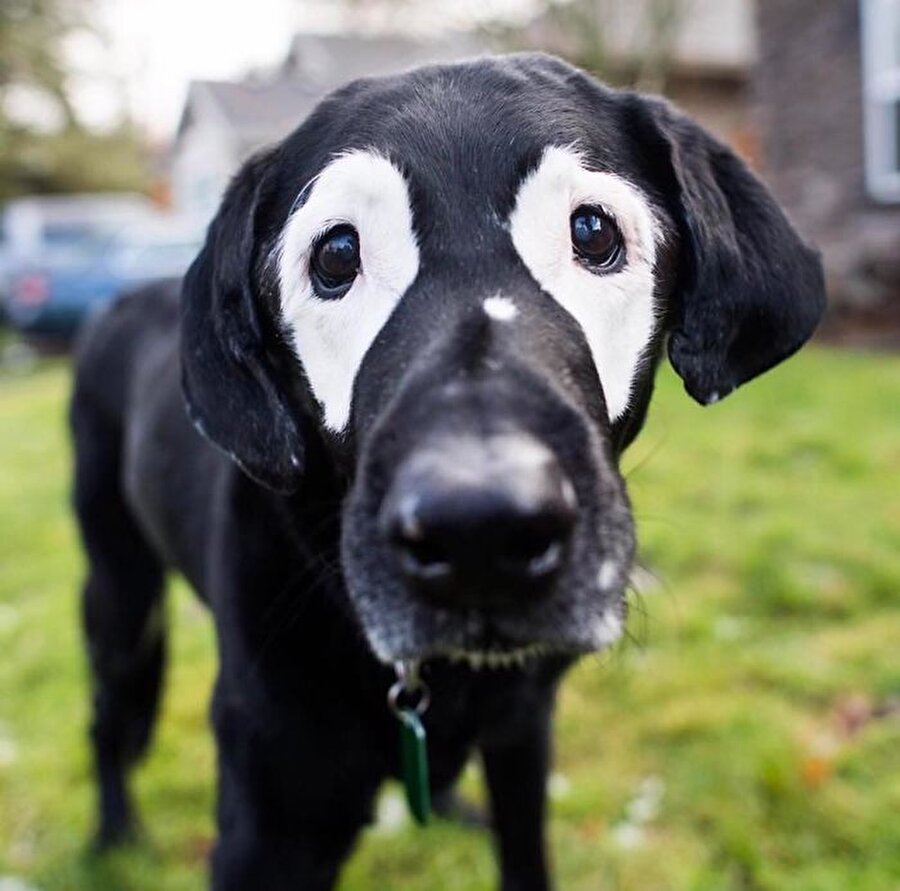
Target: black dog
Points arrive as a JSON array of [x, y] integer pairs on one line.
[[421, 333]]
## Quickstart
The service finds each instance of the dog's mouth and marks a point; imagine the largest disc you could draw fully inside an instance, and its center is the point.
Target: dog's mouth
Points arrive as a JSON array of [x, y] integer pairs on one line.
[[496, 658], [495, 651]]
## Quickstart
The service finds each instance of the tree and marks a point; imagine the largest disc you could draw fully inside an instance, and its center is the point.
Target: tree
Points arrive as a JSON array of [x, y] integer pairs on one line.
[[55, 154], [627, 43], [32, 33]]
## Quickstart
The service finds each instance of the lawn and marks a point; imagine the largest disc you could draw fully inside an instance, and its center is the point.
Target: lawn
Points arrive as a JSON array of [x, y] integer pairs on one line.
[[746, 736]]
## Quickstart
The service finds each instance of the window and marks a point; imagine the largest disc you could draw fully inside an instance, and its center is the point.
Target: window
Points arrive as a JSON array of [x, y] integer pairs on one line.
[[881, 85]]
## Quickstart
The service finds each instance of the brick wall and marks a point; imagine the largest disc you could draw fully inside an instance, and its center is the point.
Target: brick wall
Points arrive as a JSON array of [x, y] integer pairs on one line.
[[808, 102]]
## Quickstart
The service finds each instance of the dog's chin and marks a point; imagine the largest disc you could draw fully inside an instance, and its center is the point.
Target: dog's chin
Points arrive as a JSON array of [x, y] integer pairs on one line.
[[482, 644]]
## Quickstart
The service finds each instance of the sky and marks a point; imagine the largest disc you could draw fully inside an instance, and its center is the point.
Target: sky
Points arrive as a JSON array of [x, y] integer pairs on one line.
[[149, 50]]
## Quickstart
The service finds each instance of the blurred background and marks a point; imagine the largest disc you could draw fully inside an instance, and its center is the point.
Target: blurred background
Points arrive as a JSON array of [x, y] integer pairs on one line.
[[747, 735]]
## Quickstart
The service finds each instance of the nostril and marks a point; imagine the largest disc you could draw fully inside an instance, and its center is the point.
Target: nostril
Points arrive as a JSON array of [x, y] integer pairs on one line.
[[421, 557], [420, 554], [535, 546], [546, 563], [534, 564]]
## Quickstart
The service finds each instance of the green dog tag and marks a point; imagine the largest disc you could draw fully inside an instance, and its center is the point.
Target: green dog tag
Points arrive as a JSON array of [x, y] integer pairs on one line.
[[414, 765]]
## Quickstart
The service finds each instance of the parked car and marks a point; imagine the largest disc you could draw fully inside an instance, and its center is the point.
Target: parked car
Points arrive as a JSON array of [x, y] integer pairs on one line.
[[51, 299], [35, 228]]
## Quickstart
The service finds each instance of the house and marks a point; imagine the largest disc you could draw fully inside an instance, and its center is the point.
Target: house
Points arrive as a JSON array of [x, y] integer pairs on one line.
[[221, 125], [827, 91], [223, 122]]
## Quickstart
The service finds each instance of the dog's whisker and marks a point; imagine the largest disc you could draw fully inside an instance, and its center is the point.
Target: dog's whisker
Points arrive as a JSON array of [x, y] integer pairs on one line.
[[632, 471]]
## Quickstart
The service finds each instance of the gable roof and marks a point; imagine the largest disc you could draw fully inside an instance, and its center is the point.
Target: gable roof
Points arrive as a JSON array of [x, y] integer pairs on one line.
[[256, 112], [336, 58], [261, 110]]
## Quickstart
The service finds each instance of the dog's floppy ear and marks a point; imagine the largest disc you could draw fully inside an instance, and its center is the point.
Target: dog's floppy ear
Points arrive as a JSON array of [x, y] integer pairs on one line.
[[750, 292], [229, 376]]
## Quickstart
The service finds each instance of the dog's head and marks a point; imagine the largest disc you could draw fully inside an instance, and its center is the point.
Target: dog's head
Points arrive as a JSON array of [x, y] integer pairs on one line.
[[461, 279]]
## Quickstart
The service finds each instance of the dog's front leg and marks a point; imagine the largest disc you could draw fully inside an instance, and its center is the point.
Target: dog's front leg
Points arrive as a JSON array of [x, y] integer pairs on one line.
[[292, 798], [516, 771]]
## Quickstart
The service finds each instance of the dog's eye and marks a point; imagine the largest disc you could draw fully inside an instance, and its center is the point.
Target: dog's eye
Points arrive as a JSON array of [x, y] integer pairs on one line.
[[596, 238], [335, 262]]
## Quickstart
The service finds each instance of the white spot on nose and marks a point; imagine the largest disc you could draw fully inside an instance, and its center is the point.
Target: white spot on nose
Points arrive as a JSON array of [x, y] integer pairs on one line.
[[502, 309], [607, 630], [609, 571]]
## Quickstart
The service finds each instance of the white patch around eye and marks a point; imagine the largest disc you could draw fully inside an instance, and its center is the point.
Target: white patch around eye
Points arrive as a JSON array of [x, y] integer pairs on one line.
[[332, 337], [501, 309], [615, 310]]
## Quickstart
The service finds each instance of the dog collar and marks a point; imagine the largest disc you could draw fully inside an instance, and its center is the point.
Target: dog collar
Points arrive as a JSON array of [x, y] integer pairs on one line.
[[408, 698]]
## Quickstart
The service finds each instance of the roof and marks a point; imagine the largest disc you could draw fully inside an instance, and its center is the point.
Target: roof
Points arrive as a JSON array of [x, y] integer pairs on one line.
[[261, 110], [256, 111], [336, 58]]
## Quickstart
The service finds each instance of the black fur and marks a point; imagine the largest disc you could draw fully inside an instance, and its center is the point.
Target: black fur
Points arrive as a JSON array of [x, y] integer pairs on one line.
[[752, 293], [281, 527]]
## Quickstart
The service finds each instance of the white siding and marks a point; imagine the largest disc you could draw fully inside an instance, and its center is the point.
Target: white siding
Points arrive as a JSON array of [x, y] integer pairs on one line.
[[881, 85]]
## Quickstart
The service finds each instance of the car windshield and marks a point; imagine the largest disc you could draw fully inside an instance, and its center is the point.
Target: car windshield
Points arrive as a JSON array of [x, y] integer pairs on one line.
[[60, 234], [67, 244], [154, 259]]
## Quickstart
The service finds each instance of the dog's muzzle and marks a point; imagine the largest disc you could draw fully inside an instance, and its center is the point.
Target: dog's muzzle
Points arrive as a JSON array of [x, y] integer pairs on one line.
[[487, 520]]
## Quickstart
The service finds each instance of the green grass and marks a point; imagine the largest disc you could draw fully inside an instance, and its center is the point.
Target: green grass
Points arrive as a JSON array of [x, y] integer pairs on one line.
[[742, 739]]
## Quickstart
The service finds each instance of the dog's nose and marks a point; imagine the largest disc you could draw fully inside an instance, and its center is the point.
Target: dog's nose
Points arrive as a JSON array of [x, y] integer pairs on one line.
[[480, 520]]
